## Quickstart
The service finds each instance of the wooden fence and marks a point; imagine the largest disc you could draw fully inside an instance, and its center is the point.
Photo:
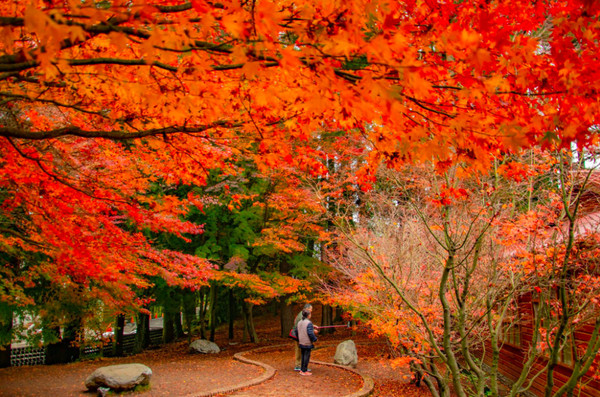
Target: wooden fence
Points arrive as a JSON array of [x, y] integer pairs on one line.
[[37, 355]]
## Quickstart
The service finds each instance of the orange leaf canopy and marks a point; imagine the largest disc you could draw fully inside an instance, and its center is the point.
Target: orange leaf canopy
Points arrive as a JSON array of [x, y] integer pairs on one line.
[[171, 89]]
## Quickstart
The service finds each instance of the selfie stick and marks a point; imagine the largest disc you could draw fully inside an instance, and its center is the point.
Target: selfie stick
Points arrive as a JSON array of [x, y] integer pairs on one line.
[[335, 326]]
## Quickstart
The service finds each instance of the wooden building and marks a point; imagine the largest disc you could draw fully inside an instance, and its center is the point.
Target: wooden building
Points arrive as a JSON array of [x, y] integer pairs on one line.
[[517, 340]]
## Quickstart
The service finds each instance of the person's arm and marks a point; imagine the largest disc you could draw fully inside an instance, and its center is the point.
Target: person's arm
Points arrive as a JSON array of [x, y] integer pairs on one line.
[[311, 332]]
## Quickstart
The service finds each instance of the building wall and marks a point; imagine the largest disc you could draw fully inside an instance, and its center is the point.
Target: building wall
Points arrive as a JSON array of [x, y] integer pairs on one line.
[[513, 356]]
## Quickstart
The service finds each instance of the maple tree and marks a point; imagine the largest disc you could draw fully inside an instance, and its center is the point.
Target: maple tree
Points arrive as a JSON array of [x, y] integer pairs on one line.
[[421, 269], [555, 245], [101, 101], [448, 269]]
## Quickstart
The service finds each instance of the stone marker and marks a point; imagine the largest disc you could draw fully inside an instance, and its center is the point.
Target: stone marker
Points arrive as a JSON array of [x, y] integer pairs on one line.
[[346, 354], [119, 377], [204, 346]]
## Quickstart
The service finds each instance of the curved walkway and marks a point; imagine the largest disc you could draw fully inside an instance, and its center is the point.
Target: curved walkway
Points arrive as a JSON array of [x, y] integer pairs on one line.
[[368, 384], [268, 374], [264, 371], [283, 380]]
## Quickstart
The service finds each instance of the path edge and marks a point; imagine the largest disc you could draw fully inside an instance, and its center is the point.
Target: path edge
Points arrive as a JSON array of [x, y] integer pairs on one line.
[[368, 383], [268, 374], [364, 391]]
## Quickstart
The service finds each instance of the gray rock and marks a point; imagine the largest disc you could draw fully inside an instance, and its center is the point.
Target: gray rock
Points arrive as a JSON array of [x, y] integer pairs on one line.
[[204, 346], [119, 377], [346, 354]]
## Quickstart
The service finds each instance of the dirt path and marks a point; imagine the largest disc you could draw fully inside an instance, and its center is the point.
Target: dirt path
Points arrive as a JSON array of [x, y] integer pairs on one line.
[[325, 382], [178, 373], [175, 372]]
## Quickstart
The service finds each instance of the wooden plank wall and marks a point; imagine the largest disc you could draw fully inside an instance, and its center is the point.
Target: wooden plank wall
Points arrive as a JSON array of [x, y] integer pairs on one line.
[[512, 358], [511, 364]]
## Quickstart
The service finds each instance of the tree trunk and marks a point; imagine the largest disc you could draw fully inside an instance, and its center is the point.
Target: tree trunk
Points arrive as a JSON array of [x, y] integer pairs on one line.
[[202, 313], [6, 333], [337, 317], [189, 312], [232, 313], [249, 322], [55, 352], [172, 319], [168, 327], [72, 338], [119, 336], [286, 317], [244, 315], [178, 325], [142, 335], [213, 310], [326, 319], [66, 349]]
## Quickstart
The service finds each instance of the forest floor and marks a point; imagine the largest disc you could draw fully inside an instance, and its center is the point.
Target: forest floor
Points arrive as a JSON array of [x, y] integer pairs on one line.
[[179, 373]]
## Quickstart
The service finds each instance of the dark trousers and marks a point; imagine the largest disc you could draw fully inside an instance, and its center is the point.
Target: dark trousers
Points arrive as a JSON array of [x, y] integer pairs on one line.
[[305, 358]]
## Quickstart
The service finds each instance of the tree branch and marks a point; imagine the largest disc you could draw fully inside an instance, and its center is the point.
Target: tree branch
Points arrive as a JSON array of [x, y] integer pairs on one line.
[[50, 101], [114, 134], [117, 61], [11, 21]]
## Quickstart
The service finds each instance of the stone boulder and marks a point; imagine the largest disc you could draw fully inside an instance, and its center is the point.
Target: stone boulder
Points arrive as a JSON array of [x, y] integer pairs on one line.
[[204, 346], [119, 377], [345, 354]]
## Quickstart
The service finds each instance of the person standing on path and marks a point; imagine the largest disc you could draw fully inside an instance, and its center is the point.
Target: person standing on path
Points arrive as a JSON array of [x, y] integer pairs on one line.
[[297, 352], [306, 338]]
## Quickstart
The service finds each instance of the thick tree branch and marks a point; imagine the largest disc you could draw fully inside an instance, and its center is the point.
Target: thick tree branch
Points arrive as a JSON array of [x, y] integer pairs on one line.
[[11, 21], [93, 61], [115, 134], [21, 236], [50, 101], [117, 61], [175, 8], [184, 7]]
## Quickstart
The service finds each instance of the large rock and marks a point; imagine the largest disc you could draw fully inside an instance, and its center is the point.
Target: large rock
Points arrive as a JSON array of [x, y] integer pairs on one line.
[[346, 354], [204, 346], [119, 377]]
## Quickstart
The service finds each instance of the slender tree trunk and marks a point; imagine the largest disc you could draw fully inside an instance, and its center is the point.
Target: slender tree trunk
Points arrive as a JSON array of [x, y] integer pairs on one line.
[[119, 336], [172, 317], [326, 319], [142, 335], [168, 327], [249, 322], [189, 312], [440, 380], [286, 316], [495, 346], [6, 334], [213, 310], [177, 324], [451, 363], [245, 337], [337, 315], [202, 313], [232, 313]]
